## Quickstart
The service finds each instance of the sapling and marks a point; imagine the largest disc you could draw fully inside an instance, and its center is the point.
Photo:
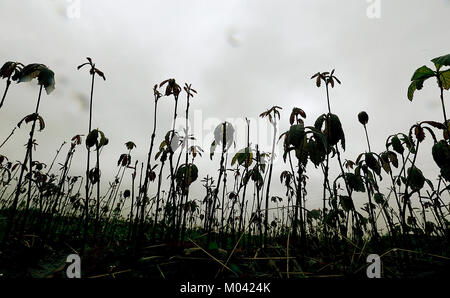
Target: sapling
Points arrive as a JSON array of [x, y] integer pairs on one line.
[[149, 174], [92, 71], [442, 76], [174, 89], [272, 114], [46, 79], [189, 94]]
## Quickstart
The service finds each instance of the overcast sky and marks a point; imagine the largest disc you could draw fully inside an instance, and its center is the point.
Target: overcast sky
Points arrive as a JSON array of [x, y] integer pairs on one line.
[[241, 56]]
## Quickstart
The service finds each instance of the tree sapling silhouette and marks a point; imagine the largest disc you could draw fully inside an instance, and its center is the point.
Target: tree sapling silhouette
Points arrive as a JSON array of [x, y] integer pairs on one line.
[[92, 71], [46, 79]]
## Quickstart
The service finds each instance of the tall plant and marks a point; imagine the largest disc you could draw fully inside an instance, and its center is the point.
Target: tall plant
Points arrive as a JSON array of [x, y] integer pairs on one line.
[[46, 79], [272, 114], [92, 71]]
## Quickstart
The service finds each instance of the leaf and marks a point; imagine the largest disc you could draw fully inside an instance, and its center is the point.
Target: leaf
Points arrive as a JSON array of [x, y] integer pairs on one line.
[[386, 167], [103, 140], [445, 79], [296, 135], [335, 131], [415, 178], [422, 73], [101, 74], [91, 139], [355, 182], [435, 124], [76, 139], [187, 174], [441, 154], [316, 151], [7, 69], [296, 112], [379, 198], [124, 159], [346, 203], [242, 156], [229, 134], [419, 133], [94, 175], [45, 76], [372, 163], [27, 119], [47, 79], [397, 145], [393, 158], [319, 122], [441, 61], [41, 123], [213, 148], [130, 145], [29, 72], [415, 85]]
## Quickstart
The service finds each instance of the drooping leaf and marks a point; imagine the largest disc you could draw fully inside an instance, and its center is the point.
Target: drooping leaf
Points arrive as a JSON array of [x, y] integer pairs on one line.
[[393, 158], [319, 121], [422, 73], [10, 68], [212, 149], [45, 76], [296, 112], [397, 145], [91, 139], [441, 154], [186, 175], [372, 162], [346, 203], [355, 182], [445, 79], [415, 85], [415, 178], [229, 134], [335, 131], [316, 151], [103, 140], [296, 135], [419, 133]]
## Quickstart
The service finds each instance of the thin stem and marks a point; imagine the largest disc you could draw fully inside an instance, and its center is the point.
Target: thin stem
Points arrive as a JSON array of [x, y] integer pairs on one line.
[[8, 82], [86, 207], [367, 138]]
